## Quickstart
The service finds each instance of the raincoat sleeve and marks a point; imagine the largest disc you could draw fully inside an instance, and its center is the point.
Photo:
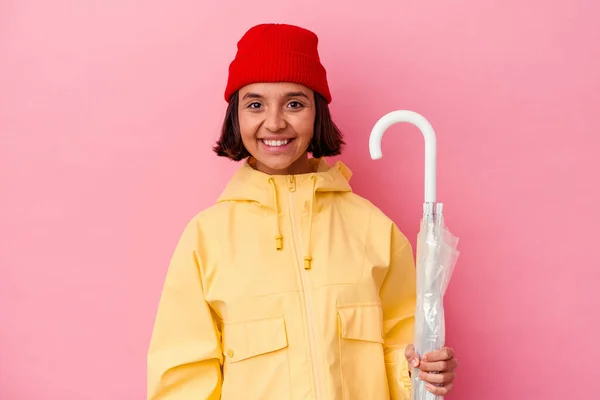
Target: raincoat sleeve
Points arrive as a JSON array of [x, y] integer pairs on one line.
[[184, 356], [398, 298]]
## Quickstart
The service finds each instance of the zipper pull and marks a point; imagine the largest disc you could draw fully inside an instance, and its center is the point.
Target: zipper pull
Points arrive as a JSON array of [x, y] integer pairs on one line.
[[291, 183], [307, 262]]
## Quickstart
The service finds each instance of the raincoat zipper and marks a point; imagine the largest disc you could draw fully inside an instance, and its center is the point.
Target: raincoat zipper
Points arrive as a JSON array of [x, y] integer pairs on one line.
[[297, 239]]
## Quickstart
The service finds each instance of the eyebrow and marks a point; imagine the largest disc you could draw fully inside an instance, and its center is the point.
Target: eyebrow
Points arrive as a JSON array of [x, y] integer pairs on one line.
[[251, 95], [297, 94]]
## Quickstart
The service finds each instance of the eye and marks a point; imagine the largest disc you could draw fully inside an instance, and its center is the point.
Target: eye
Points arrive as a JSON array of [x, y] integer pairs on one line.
[[295, 104], [255, 105]]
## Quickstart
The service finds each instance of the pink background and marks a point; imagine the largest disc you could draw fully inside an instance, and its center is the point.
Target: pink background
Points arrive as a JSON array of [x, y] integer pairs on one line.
[[108, 111]]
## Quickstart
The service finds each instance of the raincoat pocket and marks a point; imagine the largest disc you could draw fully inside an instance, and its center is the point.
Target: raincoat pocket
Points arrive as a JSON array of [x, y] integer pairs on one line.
[[362, 363], [256, 362]]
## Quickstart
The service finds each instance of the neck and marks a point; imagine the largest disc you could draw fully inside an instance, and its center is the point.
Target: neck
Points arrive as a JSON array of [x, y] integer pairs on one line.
[[300, 166]]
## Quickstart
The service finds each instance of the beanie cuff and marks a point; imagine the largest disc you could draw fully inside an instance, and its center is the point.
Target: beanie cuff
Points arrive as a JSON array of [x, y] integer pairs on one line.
[[292, 67]]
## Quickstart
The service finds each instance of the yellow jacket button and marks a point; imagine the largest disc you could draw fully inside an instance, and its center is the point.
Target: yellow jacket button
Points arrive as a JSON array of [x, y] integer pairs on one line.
[[230, 353]]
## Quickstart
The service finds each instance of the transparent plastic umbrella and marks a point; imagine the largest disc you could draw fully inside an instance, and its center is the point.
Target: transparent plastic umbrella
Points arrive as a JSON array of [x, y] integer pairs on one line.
[[436, 248]]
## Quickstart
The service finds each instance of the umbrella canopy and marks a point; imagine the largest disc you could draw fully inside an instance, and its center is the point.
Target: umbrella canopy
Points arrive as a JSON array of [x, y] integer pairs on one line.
[[436, 248]]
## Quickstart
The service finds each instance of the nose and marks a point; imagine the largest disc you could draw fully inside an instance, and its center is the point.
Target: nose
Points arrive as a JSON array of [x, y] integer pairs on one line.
[[274, 120]]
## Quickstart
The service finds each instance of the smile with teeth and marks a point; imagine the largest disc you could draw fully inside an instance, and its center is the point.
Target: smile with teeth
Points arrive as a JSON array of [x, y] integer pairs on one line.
[[276, 143]]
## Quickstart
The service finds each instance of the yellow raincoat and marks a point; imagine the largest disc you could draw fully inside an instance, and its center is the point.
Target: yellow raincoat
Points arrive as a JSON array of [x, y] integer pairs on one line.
[[290, 287]]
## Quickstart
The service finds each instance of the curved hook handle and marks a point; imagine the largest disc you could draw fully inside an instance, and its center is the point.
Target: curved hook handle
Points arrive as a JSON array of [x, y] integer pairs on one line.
[[426, 129]]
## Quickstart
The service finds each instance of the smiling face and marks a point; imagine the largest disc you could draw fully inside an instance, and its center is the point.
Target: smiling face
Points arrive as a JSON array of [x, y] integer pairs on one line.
[[277, 124]]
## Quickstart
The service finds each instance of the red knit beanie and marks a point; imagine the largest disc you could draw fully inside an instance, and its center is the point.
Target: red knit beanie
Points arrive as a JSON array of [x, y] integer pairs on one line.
[[278, 53]]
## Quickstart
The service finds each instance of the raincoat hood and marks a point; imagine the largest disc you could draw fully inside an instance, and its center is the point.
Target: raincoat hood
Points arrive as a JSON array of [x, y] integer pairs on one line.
[[249, 184]]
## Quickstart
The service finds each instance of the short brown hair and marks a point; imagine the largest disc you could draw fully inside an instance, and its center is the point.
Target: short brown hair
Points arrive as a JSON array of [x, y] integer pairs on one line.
[[327, 139]]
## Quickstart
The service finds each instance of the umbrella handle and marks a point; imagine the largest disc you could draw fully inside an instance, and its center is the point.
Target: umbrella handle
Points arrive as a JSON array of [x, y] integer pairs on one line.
[[426, 129]]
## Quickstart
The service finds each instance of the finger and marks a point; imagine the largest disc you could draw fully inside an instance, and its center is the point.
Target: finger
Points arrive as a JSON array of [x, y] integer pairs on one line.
[[445, 353], [411, 356], [442, 354], [439, 366], [439, 390], [437, 379]]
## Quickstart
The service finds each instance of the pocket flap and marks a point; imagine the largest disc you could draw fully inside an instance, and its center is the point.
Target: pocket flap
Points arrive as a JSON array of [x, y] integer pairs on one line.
[[361, 322], [245, 339]]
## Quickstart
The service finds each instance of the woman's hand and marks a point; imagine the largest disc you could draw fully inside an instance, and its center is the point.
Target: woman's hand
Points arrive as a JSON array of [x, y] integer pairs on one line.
[[436, 368]]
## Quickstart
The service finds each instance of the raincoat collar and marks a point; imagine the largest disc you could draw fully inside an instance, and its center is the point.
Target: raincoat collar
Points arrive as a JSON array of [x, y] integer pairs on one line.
[[249, 184]]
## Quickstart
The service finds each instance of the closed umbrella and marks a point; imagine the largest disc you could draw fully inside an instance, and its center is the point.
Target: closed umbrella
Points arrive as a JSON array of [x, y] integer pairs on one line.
[[436, 248]]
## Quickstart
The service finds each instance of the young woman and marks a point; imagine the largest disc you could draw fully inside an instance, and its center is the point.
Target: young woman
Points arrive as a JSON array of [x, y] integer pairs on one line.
[[291, 286]]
